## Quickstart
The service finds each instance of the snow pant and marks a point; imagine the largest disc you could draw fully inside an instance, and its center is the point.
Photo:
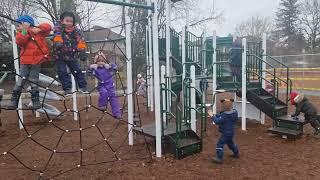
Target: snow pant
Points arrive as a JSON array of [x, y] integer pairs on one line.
[[107, 94], [65, 77], [313, 120], [28, 73], [224, 139]]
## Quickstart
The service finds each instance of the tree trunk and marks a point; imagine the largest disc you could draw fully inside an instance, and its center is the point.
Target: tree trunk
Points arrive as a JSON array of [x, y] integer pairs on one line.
[[70, 6], [67, 5]]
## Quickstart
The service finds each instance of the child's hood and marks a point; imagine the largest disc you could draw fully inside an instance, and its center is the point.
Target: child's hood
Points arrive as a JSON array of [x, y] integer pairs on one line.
[[231, 113]]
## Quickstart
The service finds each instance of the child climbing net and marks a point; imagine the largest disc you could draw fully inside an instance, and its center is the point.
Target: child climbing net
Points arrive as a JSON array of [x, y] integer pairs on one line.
[[116, 151]]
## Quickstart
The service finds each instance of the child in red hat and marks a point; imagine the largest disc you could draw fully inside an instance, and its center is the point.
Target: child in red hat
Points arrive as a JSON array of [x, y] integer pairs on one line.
[[303, 105]]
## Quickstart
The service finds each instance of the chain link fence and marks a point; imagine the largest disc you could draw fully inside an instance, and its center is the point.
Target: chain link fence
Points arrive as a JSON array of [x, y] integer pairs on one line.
[[304, 70]]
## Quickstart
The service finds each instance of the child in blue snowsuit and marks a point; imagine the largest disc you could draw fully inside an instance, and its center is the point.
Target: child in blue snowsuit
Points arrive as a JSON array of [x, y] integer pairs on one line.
[[104, 72], [226, 121]]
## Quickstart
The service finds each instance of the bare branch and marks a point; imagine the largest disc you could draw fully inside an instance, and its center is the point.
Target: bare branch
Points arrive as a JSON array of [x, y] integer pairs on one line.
[[309, 21], [254, 27]]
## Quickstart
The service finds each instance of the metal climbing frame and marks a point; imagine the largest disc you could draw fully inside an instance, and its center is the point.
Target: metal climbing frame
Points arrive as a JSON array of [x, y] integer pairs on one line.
[[177, 129], [193, 46], [188, 106], [122, 3], [153, 22], [256, 61], [175, 44]]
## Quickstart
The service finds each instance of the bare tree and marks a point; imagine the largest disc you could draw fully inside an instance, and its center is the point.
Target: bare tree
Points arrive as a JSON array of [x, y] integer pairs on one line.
[[46, 9], [310, 22], [12, 9], [254, 27], [188, 12], [138, 30], [86, 12], [287, 23], [90, 13]]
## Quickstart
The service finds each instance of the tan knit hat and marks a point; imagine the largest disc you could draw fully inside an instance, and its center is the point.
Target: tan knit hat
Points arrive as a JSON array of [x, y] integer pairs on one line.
[[100, 56]]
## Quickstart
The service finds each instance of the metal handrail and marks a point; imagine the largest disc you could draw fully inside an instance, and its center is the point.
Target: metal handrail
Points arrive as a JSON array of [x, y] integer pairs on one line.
[[260, 76], [178, 113], [3, 77], [261, 59], [169, 113], [201, 113], [275, 84], [276, 60], [289, 81]]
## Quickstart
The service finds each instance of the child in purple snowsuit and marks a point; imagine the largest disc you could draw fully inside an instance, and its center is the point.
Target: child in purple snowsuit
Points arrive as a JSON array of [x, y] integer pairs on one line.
[[141, 82], [104, 71]]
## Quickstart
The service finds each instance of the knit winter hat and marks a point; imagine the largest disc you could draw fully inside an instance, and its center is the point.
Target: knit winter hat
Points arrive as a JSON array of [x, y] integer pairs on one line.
[[293, 95], [100, 57], [226, 104], [298, 98], [27, 19]]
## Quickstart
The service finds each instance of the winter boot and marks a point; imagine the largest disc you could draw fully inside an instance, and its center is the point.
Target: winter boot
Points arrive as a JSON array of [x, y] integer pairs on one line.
[[316, 125], [83, 90], [235, 151], [236, 155], [219, 157], [118, 117], [35, 100], [14, 100], [317, 132], [102, 108], [68, 92], [217, 160]]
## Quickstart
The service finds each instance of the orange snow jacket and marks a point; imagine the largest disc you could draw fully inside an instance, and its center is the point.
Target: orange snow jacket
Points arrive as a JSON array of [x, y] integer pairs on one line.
[[34, 48]]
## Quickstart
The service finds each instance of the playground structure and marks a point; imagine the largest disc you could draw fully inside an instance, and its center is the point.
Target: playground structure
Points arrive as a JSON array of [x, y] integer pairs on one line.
[[188, 61], [195, 60], [52, 114]]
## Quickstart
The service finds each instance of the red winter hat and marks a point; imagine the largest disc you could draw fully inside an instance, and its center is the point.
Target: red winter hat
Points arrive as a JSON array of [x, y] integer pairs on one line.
[[293, 95]]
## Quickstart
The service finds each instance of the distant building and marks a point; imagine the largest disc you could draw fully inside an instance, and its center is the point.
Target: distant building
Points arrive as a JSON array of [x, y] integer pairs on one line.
[[99, 37]]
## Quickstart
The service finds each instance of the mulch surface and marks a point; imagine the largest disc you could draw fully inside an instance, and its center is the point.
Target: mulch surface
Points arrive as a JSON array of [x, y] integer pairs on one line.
[[262, 156]]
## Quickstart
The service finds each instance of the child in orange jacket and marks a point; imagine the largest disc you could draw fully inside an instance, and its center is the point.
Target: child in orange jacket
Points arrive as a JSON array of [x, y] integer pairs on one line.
[[34, 50]]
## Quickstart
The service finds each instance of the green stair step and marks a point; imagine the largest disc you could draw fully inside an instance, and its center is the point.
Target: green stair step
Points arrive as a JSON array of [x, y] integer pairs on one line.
[[265, 97], [188, 146], [187, 141], [280, 107], [224, 74], [283, 131], [290, 119]]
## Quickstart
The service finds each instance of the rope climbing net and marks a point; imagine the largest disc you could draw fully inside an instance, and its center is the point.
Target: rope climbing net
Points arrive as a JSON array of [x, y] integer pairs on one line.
[[91, 124]]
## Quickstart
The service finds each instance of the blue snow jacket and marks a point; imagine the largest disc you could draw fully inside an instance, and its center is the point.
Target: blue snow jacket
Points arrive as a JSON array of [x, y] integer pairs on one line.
[[226, 121]]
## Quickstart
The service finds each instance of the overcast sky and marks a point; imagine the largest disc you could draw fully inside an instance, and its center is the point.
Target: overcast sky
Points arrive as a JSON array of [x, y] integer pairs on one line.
[[236, 11]]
